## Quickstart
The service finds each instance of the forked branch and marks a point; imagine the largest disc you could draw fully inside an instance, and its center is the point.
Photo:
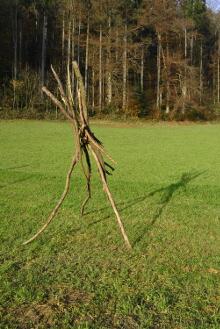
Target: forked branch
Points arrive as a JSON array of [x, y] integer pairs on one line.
[[86, 143]]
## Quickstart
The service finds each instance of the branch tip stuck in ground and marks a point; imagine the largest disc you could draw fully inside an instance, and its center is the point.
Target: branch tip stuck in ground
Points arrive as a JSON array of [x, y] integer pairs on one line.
[[86, 144]]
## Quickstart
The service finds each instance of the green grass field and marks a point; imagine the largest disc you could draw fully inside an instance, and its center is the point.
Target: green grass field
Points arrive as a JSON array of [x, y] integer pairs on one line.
[[78, 274]]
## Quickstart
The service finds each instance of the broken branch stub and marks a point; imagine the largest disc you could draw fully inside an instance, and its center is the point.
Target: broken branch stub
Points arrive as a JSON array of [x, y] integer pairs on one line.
[[86, 144]]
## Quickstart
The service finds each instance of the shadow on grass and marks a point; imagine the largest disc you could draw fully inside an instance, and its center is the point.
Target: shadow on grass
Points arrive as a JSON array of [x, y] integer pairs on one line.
[[16, 181], [17, 167], [167, 194]]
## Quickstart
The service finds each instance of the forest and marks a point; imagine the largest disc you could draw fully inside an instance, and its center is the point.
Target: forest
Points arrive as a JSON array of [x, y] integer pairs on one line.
[[155, 59]]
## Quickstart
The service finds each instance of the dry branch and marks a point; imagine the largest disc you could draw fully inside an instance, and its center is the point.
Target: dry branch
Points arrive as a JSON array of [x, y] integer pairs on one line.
[[55, 210], [85, 141]]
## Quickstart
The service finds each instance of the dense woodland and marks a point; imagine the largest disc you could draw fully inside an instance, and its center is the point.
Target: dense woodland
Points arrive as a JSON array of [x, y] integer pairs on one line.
[[139, 58]]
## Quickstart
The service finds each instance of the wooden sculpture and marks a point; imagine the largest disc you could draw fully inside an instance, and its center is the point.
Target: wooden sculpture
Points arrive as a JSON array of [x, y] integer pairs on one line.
[[86, 144]]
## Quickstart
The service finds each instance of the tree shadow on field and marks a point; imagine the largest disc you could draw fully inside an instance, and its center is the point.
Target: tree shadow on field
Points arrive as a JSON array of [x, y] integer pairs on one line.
[[167, 195]]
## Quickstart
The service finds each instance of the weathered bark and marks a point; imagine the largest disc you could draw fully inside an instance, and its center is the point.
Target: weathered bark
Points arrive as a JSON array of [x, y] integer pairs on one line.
[[167, 77], [85, 141], [100, 69], [111, 200], [108, 68], [184, 85], [124, 84], [191, 49], [16, 41], [158, 102], [142, 69], [201, 72], [63, 42], [116, 45], [73, 55], [185, 43], [44, 45], [69, 45], [78, 43], [93, 81], [87, 56], [20, 46], [58, 205], [218, 70]]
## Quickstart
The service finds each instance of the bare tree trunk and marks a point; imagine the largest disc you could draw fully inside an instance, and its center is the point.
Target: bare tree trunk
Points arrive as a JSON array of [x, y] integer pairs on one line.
[[87, 56], [100, 69], [185, 43], [73, 55], [158, 71], [191, 49], [142, 69], [201, 72], [116, 41], [69, 46], [79, 33], [109, 73], [124, 88], [20, 47], [213, 82], [63, 42], [16, 41], [167, 67], [44, 45], [218, 70], [184, 87], [68, 63], [93, 82]]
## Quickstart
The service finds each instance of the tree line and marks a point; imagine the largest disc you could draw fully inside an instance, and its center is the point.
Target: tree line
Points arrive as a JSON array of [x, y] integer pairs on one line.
[[143, 58]]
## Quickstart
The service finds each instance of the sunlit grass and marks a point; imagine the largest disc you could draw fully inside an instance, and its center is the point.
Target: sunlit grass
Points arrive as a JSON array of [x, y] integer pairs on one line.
[[78, 274]]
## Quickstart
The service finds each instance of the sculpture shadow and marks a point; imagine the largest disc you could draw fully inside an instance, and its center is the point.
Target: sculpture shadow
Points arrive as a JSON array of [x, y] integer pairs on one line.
[[168, 193], [14, 168], [16, 182]]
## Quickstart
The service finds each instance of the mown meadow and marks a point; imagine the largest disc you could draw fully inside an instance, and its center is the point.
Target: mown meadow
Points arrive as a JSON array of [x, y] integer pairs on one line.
[[78, 274]]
